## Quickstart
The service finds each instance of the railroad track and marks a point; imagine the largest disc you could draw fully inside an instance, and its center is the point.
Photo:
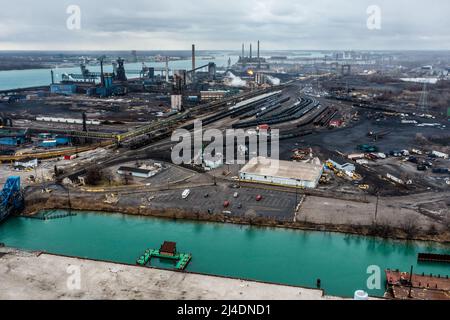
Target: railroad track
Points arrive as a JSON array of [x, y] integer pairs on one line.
[[55, 153]]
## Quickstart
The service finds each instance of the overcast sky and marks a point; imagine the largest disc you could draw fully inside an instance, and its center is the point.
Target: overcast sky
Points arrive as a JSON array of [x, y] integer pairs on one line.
[[224, 24]]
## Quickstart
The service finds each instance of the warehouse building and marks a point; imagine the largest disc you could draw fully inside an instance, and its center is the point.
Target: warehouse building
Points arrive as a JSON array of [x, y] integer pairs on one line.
[[144, 171], [135, 172], [26, 163], [285, 173], [213, 95]]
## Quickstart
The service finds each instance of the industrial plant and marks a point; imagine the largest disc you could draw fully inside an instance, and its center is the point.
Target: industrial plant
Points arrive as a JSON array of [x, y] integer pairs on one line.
[[181, 174]]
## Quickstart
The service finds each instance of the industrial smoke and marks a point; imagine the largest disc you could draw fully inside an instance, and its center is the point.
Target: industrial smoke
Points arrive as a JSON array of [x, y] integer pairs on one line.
[[274, 81], [235, 81]]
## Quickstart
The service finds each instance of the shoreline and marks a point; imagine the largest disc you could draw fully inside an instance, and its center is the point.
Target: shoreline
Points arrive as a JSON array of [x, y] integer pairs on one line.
[[178, 214]]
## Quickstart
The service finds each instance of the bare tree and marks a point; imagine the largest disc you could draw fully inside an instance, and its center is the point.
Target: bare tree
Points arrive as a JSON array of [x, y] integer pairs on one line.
[[94, 176], [410, 228]]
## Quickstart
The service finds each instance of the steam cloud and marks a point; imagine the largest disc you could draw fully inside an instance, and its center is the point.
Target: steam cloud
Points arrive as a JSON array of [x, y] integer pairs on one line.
[[235, 81], [274, 81]]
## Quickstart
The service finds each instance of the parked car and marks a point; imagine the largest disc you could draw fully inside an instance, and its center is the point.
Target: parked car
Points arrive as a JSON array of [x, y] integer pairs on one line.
[[422, 167]]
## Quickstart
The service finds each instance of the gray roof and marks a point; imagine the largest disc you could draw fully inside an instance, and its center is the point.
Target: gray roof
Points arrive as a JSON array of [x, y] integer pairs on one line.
[[135, 170]]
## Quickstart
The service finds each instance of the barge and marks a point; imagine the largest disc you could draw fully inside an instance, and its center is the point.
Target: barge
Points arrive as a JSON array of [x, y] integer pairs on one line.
[[167, 251]]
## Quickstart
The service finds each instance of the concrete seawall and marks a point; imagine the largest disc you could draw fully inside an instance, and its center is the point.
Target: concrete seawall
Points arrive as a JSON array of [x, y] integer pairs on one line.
[[34, 275]]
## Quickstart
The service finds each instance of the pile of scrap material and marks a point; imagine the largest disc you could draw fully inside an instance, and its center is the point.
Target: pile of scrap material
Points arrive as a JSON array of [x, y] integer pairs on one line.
[[403, 286], [302, 154], [111, 198]]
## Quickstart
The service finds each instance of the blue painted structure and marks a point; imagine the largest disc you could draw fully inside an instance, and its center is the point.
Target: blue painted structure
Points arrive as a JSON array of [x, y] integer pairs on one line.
[[12, 138], [52, 141], [11, 198], [48, 144], [9, 141], [60, 140], [63, 88]]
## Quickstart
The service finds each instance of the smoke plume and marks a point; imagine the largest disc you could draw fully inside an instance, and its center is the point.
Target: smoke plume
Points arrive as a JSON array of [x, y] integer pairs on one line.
[[235, 81]]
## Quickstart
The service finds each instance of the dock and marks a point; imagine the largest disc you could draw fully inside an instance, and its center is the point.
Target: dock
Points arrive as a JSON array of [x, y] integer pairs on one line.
[[31, 275], [422, 287], [167, 251], [432, 257]]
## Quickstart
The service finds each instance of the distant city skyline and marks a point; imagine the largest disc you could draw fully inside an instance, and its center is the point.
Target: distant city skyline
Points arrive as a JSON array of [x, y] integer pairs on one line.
[[216, 25]]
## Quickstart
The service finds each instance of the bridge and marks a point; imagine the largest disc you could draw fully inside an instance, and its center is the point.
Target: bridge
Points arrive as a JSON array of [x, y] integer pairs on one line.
[[11, 198]]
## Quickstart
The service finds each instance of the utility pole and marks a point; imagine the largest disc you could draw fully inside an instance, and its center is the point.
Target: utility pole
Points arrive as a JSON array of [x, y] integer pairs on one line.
[[69, 202], [376, 206], [296, 199], [410, 283]]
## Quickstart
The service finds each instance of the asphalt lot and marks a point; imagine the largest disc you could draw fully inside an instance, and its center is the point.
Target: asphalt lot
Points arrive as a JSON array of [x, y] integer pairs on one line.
[[347, 139], [274, 203]]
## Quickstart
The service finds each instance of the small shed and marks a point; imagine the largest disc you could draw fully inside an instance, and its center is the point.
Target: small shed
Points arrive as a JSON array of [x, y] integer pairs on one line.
[[168, 248]]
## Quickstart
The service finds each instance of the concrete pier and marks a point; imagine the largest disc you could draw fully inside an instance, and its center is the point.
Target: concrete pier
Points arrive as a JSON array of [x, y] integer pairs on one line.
[[35, 276]]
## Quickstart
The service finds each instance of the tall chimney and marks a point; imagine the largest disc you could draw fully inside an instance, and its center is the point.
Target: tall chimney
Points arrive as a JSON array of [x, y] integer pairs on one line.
[[84, 122], [250, 50], [193, 56], [259, 61], [243, 49], [167, 69], [258, 49], [102, 74]]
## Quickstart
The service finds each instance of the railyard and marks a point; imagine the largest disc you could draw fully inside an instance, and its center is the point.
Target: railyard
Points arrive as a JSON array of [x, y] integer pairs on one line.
[[104, 143]]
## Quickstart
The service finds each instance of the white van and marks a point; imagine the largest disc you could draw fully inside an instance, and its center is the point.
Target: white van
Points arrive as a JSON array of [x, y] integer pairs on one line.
[[186, 193]]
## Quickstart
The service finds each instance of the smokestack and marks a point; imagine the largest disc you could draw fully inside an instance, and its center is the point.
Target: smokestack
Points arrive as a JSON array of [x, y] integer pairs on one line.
[[243, 49], [167, 69], [193, 56], [84, 122], [258, 49], [102, 75], [53, 76], [259, 62], [250, 50]]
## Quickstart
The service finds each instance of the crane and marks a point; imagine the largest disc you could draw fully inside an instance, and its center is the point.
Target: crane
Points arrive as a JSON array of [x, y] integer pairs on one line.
[[11, 198]]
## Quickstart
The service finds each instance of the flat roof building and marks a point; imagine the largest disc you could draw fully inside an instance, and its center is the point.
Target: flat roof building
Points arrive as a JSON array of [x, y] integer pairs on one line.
[[286, 173], [213, 95], [135, 172]]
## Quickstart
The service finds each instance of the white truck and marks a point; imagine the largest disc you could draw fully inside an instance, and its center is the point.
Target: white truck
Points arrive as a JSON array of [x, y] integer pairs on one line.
[[186, 194]]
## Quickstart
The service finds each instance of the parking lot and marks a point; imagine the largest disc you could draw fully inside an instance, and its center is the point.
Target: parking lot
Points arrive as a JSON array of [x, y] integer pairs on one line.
[[274, 204]]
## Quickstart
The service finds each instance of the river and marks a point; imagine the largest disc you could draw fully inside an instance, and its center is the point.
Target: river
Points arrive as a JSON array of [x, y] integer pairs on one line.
[[266, 254], [15, 79]]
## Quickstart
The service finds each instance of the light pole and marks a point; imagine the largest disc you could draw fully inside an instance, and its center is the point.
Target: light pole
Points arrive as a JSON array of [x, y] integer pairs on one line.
[[376, 206], [69, 202]]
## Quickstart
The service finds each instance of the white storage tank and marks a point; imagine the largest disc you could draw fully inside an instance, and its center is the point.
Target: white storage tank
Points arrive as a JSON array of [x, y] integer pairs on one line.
[[361, 295]]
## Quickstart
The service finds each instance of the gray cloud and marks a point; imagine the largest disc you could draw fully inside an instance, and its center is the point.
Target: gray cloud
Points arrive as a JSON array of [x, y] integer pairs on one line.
[[218, 24]]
